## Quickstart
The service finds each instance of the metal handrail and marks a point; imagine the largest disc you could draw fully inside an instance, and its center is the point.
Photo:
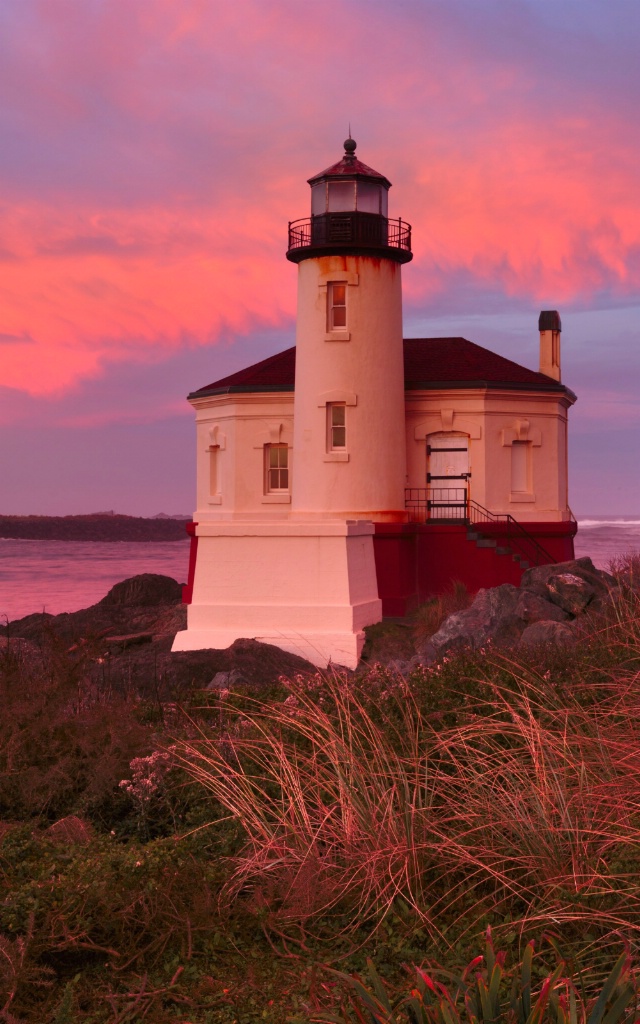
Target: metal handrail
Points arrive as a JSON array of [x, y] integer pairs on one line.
[[516, 534], [473, 514], [351, 227]]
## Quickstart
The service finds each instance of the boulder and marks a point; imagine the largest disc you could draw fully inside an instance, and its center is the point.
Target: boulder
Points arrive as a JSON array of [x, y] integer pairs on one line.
[[532, 607], [545, 633], [227, 680], [570, 592], [537, 612], [537, 579], [148, 589], [490, 616]]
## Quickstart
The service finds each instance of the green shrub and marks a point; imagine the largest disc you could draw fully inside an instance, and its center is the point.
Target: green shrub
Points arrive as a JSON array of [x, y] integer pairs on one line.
[[486, 992]]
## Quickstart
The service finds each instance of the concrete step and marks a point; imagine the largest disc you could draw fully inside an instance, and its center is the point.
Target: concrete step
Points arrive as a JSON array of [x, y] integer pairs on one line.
[[503, 550], [522, 561], [486, 542], [472, 535]]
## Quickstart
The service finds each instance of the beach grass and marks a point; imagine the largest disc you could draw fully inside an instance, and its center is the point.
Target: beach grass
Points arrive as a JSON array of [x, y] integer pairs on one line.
[[239, 857]]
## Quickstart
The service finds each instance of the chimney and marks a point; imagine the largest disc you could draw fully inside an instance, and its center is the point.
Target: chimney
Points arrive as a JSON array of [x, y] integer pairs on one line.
[[550, 326]]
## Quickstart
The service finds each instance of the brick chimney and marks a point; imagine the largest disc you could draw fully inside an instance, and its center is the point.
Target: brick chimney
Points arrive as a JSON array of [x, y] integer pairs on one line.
[[550, 327]]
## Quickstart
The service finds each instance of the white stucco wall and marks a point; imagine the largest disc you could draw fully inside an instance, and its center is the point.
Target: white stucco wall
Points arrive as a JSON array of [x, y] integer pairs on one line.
[[240, 426], [492, 420], [362, 367]]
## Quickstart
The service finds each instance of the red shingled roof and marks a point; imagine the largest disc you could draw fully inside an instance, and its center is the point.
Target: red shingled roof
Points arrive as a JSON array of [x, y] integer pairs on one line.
[[429, 363], [350, 167]]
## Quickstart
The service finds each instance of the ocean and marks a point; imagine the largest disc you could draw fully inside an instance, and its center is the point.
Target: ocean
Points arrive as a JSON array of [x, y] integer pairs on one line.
[[63, 576], [607, 537]]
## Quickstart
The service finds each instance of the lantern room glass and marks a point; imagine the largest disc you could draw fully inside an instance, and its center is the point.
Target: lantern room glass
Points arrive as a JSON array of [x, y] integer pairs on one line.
[[346, 196], [319, 199], [342, 196], [371, 198]]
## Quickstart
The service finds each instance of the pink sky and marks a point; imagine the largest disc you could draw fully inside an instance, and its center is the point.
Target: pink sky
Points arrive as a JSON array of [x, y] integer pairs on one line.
[[151, 155]]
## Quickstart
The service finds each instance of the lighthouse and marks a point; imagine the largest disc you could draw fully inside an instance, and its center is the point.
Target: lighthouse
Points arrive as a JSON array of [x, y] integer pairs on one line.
[[283, 536], [356, 474], [349, 433]]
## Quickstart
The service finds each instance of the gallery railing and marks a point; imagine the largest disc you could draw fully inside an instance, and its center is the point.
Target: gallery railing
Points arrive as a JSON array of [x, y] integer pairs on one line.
[[429, 504], [351, 228]]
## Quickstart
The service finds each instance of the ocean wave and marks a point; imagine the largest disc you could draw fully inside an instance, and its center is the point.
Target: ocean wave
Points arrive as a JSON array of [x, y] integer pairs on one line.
[[608, 522]]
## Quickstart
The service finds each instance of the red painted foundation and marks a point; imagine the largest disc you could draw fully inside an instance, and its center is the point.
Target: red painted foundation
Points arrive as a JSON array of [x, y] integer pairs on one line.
[[416, 561], [187, 590]]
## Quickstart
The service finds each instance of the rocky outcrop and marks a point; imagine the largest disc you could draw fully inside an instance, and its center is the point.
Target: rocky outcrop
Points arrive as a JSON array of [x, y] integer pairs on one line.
[[147, 590], [542, 610], [123, 643], [548, 632]]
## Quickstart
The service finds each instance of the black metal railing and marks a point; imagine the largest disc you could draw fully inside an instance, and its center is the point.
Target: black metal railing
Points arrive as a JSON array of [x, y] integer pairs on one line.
[[426, 506], [447, 503], [351, 228]]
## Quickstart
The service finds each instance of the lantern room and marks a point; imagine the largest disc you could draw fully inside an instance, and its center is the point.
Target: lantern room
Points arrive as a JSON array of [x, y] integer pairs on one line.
[[349, 215], [349, 185]]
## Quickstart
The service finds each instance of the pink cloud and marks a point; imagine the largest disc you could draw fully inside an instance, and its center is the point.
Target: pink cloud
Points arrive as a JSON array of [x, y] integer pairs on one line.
[[155, 153]]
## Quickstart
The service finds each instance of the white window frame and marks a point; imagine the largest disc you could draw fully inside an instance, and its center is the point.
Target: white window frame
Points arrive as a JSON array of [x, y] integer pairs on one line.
[[269, 487], [336, 311], [336, 411]]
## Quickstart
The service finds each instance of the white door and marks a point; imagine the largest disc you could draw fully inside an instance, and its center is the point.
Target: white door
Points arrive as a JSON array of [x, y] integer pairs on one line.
[[447, 476]]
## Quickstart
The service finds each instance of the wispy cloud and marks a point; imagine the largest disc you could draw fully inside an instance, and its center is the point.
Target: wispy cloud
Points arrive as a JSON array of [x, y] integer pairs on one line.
[[152, 155]]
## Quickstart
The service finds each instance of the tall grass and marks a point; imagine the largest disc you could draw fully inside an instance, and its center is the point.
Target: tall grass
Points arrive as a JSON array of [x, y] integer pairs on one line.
[[520, 803]]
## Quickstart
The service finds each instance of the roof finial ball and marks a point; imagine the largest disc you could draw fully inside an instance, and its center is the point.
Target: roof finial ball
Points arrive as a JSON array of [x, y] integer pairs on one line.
[[350, 146]]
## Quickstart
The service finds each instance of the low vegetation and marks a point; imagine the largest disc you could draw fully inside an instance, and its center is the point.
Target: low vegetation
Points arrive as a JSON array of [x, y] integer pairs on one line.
[[460, 843]]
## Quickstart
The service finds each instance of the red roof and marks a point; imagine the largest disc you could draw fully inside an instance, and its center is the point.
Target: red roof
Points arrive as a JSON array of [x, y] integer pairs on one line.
[[349, 167], [429, 363]]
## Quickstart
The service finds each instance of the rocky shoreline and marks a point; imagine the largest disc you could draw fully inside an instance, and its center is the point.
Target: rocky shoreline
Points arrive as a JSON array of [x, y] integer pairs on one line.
[[123, 643], [546, 608]]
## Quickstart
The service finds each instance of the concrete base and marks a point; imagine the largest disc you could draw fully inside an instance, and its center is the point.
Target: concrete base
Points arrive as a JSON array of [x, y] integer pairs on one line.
[[320, 649], [308, 588]]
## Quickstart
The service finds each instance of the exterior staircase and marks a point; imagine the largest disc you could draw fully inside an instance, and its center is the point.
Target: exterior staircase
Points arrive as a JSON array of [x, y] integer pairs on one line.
[[509, 537], [496, 530]]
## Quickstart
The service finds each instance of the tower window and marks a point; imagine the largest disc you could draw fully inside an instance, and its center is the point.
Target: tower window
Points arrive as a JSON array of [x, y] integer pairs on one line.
[[276, 468], [336, 427], [337, 306]]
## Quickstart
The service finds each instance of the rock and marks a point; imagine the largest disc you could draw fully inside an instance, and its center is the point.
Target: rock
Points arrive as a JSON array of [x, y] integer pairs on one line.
[[226, 680], [570, 592], [545, 632], [147, 589], [537, 579], [537, 612], [572, 586], [490, 616], [123, 644], [130, 639], [532, 607]]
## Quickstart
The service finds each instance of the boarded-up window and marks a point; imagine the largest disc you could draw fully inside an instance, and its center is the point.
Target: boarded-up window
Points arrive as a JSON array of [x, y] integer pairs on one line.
[[520, 476]]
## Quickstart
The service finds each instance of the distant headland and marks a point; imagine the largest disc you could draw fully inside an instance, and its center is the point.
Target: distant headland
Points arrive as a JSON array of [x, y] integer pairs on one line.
[[105, 526]]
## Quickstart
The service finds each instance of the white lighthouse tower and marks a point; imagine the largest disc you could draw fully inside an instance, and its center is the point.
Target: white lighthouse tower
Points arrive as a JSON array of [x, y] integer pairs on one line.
[[296, 568], [349, 432]]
